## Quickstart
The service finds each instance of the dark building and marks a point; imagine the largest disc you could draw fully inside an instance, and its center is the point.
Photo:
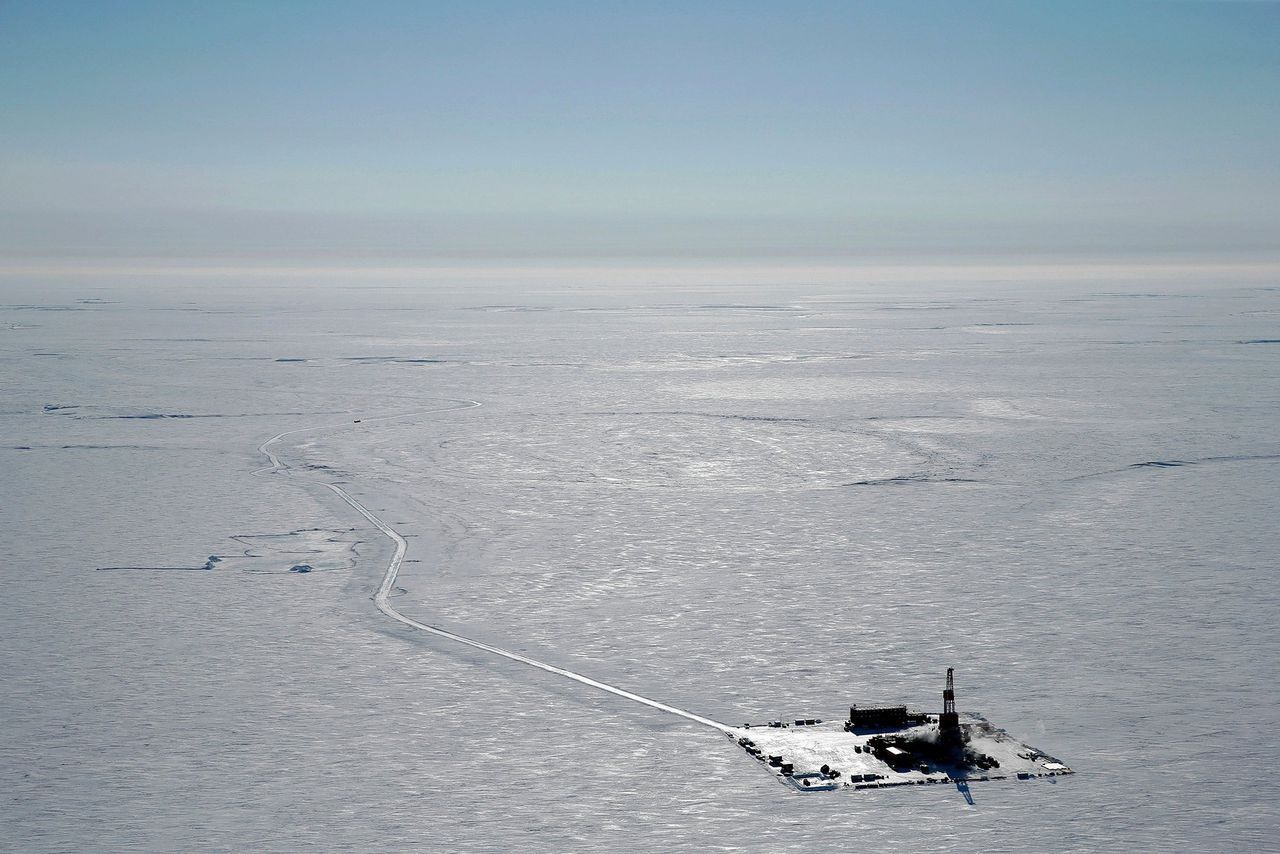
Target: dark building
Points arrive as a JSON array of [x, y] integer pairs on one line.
[[878, 717]]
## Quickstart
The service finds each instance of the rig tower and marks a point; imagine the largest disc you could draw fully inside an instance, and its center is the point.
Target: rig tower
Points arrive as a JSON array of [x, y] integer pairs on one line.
[[949, 720]]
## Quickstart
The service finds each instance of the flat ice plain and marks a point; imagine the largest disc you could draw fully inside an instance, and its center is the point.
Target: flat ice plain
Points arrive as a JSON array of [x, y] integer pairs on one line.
[[746, 500]]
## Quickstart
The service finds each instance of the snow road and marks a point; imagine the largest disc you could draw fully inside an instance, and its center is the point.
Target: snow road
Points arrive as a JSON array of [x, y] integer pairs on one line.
[[401, 547]]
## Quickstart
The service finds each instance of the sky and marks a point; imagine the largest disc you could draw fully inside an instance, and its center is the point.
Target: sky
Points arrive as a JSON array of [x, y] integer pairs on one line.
[[717, 129]]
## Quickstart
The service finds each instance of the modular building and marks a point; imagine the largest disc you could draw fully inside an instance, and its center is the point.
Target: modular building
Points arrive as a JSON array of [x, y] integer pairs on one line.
[[878, 717]]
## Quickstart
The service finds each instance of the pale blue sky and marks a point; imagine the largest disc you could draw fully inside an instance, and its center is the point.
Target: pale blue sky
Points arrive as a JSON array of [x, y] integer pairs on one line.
[[546, 128]]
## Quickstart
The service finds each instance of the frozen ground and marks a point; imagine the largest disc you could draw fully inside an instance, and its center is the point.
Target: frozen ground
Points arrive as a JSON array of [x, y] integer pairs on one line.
[[851, 763], [747, 502]]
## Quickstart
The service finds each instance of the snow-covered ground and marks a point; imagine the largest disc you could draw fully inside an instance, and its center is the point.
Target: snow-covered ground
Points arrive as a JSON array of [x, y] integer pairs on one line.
[[826, 753], [744, 501]]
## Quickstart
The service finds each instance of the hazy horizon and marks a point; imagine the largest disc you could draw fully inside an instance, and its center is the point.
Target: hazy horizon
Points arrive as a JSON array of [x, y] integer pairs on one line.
[[738, 130]]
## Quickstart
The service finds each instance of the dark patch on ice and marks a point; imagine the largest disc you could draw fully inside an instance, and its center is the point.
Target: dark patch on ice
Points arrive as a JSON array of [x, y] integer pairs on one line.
[[911, 478], [290, 360], [162, 416], [1171, 464], [89, 448], [777, 419], [389, 360], [58, 407], [1261, 341], [924, 306], [904, 417], [153, 568], [13, 307], [193, 309], [1005, 324], [267, 551], [545, 364], [154, 416], [1239, 458], [1232, 458], [727, 416], [48, 354], [208, 565], [734, 306], [510, 308], [97, 301], [791, 357], [1124, 295]]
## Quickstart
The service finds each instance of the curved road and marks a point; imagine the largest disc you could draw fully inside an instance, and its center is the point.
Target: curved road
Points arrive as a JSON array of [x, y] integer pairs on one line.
[[393, 570]]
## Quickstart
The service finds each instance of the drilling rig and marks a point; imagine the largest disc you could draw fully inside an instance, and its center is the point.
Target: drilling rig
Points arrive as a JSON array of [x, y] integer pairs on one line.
[[949, 720]]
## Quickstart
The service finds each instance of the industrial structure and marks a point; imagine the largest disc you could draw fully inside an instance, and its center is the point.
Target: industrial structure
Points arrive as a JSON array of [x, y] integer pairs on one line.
[[887, 745], [949, 720], [877, 717]]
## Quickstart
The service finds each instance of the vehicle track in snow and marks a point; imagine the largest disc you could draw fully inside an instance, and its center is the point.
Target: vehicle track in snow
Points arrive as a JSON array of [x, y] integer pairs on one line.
[[383, 604]]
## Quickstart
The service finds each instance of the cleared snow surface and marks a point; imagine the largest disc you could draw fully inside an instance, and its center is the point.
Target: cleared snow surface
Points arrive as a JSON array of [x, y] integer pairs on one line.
[[748, 502], [851, 763]]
